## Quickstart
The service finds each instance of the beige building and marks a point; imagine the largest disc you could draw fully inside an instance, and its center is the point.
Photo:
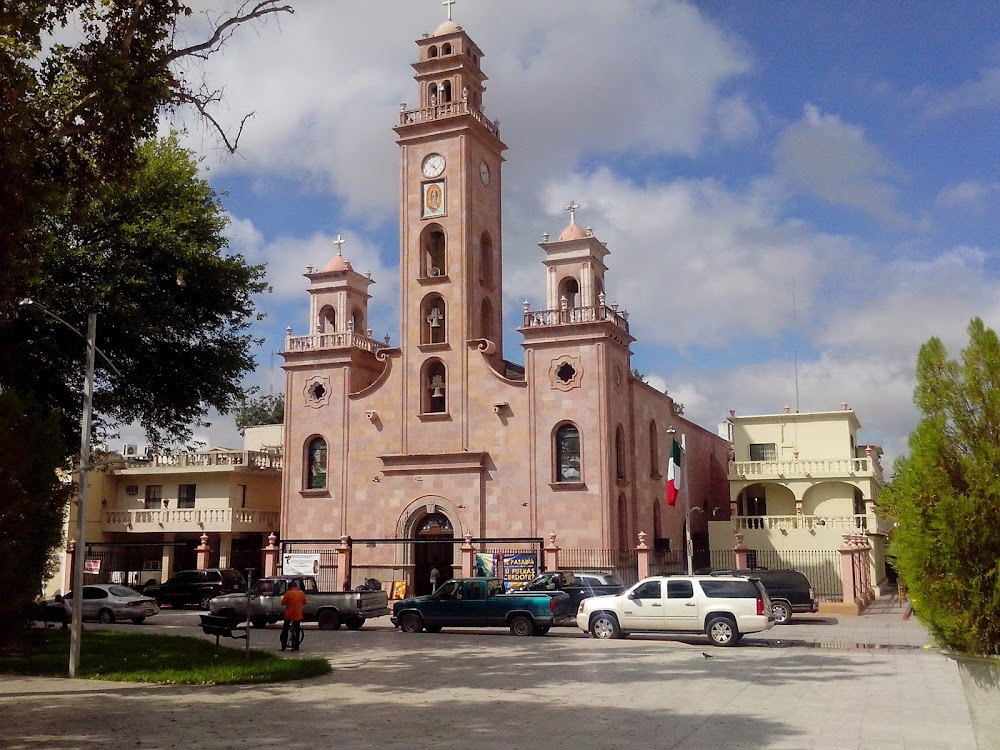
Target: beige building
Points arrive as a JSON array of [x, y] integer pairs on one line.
[[798, 482], [148, 513], [410, 447]]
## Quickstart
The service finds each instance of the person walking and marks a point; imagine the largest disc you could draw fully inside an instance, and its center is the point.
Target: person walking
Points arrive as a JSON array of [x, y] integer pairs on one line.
[[292, 601], [435, 577]]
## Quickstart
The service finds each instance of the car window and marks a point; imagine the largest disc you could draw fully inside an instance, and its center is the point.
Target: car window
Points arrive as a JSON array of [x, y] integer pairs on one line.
[[612, 581], [450, 590], [589, 581], [680, 590], [309, 584], [188, 576], [729, 589], [648, 590], [92, 592], [213, 576], [475, 590], [264, 588], [546, 582], [494, 587], [280, 587], [122, 591]]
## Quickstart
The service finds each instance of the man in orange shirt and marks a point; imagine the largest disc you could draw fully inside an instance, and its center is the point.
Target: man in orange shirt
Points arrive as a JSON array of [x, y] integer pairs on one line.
[[292, 601]]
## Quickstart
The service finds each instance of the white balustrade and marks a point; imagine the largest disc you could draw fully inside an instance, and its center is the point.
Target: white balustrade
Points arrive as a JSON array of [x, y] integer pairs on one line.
[[190, 519]]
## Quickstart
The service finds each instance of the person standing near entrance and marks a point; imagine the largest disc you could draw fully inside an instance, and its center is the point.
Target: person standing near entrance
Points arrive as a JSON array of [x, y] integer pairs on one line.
[[292, 601], [435, 577]]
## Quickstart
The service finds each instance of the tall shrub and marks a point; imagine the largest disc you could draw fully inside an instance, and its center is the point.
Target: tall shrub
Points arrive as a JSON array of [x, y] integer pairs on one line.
[[945, 496]]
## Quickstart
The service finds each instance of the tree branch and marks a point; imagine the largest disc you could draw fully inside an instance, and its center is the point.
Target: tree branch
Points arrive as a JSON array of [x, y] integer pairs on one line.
[[260, 9], [201, 104]]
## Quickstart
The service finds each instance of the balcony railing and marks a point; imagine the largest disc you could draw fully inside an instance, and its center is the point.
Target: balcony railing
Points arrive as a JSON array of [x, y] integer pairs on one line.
[[340, 340], [254, 459], [821, 467], [574, 315], [190, 519], [445, 110], [852, 523]]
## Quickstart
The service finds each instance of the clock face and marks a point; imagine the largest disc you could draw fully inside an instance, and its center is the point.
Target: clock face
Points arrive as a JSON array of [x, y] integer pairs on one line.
[[484, 173], [432, 165]]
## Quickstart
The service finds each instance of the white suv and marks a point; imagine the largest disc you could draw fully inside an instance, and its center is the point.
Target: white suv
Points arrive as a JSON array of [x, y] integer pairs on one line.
[[723, 607]]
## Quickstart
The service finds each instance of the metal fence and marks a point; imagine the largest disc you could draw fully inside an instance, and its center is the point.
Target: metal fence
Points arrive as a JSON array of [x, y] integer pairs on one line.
[[621, 563], [821, 567], [327, 578]]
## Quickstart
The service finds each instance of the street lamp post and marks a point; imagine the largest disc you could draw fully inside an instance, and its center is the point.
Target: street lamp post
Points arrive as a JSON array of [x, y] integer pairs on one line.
[[76, 625]]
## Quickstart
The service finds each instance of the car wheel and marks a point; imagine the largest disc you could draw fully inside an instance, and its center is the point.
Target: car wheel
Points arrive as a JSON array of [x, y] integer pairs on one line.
[[411, 622], [205, 599], [138, 620], [257, 622], [522, 626], [722, 631], [329, 619], [604, 625], [541, 629], [432, 628], [106, 616], [782, 612], [354, 623]]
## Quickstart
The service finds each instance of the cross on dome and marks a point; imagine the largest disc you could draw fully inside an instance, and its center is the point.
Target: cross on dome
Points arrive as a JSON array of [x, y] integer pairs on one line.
[[572, 207], [339, 242], [448, 4]]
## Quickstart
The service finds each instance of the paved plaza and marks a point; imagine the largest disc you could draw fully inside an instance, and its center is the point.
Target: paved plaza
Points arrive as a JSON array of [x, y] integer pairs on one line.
[[824, 681]]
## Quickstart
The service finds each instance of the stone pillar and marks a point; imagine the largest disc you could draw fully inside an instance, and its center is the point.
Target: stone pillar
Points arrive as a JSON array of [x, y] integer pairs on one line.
[[642, 555], [203, 552], [848, 593], [225, 549], [468, 557], [551, 553], [344, 562], [167, 558], [70, 563], [742, 553], [269, 557]]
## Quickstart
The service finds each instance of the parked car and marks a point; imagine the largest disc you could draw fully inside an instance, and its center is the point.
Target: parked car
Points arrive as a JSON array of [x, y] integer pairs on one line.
[[197, 586], [109, 602], [724, 608], [789, 591], [578, 585]]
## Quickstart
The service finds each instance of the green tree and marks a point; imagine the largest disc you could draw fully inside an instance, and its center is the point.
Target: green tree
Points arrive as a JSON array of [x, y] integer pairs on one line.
[[257, 410], [945, 496], [32, 503]]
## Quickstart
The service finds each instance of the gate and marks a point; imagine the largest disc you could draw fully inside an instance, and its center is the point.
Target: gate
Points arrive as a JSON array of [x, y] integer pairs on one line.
[[125, 563]]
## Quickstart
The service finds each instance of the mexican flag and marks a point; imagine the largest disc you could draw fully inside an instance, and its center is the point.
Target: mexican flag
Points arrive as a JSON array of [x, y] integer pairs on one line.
[[674, 473]]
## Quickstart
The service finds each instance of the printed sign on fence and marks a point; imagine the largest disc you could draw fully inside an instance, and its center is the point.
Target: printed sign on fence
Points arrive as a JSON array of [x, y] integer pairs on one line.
[[519, 569], [300, 563], [92, 566]]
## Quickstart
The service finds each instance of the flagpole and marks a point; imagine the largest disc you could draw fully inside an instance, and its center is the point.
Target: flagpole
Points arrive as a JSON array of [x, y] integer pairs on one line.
[[688, 544]]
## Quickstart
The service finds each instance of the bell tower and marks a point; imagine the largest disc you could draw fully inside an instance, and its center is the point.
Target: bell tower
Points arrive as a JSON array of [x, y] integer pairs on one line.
[[450, 217]]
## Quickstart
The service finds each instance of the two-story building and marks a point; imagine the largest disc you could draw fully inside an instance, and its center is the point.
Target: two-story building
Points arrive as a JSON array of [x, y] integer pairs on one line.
[[148, 513], [798, 483]]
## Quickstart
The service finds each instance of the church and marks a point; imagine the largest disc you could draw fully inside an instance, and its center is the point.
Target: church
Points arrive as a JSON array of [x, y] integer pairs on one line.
[[408, 450]]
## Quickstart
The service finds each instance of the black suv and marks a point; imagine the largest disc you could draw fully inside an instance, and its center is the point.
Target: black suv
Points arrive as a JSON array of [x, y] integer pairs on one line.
[[197, 586], [578, 584], [789, 591]]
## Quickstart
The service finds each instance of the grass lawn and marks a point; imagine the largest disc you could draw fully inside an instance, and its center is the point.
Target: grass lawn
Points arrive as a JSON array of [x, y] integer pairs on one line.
[[166, 659]]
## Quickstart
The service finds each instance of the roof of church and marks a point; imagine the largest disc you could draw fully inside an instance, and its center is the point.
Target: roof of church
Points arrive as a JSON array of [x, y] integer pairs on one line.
[[338, 263], [448, 27], [573, 232]]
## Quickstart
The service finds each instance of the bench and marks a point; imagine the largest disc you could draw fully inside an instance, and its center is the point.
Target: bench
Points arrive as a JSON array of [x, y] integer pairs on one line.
[[222, 626]]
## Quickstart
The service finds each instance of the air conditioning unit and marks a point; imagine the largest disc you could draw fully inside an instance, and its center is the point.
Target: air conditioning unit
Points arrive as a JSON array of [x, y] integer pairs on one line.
[[130, 450], [131, 489], [435, 271]]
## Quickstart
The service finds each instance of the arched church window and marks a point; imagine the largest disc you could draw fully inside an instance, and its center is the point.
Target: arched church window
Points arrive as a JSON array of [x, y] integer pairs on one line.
[[568, 467], [432, 51], [569, 290], [620, 452], [434, 398], [485, 260], [598, 290], [657, 520], [654, 450], [328, 320], [434, 523], [486, 320], [433, 320], [358, 320], [316, 456], [444, 91], [446, 48], [432, 256]]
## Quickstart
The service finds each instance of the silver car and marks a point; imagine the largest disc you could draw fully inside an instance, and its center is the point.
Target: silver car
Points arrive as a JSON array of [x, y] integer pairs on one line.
[[108, 602]]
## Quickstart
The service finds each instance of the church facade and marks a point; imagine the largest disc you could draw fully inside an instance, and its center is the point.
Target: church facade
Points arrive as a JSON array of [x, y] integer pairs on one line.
[[442, 436]]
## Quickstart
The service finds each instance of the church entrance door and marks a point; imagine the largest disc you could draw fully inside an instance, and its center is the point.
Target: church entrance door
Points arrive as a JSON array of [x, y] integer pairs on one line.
[[434, 548]]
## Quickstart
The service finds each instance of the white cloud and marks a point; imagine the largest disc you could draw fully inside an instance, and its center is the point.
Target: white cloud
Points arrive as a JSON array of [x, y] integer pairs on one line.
[[968, 194], [984, 91], [736, 120], [826, 157]]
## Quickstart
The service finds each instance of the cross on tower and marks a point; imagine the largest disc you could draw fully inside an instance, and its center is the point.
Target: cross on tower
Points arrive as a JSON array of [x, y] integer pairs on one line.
[[572, 211], [339, 242], [448, 4]]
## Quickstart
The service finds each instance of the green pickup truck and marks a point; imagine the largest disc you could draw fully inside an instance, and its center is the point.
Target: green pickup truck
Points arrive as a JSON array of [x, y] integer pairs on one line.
[[481, 603]]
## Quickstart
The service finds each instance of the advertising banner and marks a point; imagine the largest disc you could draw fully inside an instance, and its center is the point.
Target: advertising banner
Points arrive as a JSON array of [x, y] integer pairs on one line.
[[300, 563], [519, 569], [92, 566], [485, 565]]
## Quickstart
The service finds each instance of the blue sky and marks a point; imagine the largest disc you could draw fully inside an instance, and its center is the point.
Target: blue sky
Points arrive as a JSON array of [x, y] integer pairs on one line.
[[735, 156]]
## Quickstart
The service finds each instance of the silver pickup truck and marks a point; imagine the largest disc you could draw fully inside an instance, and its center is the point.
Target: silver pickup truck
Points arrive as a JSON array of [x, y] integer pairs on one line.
[[329, 609]]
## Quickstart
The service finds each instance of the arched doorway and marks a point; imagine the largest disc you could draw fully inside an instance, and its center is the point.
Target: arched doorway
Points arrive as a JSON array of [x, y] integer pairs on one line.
[[434, 549]]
